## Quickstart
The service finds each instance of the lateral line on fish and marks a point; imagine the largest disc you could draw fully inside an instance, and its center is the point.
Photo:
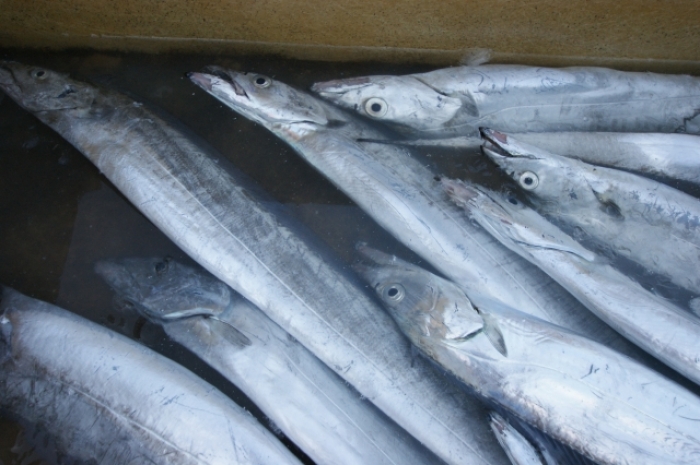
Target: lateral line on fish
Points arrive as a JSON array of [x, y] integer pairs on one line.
[[574, 105], [122, 416], [349, 418], [457, 436]]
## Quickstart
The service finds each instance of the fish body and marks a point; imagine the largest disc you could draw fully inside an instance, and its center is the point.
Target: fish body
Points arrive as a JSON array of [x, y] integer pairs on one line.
[[639, 218], [656, 325], [217, 217], [667, 156], [596, 401], [402, 195], [309, 403], [456, 102], [109, 400]]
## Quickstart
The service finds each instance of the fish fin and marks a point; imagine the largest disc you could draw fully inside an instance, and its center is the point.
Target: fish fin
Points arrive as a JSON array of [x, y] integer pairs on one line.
[[469, 105], [476, 57], [228, 333], [494, 334], [457, 143]]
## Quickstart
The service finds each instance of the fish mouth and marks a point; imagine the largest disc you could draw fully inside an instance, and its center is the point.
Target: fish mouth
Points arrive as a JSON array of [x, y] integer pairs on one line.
[[208, 79], [498, 145], [339, 86], [8, 83]]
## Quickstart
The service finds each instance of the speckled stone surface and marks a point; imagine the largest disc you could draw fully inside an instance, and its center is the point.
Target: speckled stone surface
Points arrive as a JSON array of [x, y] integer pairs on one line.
[[641, 34]]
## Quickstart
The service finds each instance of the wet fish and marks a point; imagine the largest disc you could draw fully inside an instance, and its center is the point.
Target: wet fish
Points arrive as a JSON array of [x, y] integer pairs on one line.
[[456, 102], [653, 323], [668, 156], [519, 450], [307, 401], [401, 194], [218, 218], [641, 219], [600, 403], [107, 399]]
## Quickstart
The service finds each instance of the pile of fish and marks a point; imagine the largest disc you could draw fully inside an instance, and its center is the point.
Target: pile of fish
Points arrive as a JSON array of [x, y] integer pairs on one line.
[[540, 343]]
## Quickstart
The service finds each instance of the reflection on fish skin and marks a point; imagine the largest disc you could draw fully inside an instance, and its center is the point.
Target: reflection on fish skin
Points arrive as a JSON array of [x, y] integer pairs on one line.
[[310, 404], [108, 399], [641, 219], [654, 324], [403, 196], [216, 216], [453, 102], [598, 402]]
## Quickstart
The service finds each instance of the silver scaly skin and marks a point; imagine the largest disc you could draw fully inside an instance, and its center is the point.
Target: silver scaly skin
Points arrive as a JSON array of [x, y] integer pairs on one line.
[[600, 403], [216, 217], [641, 219], [107, 399], [456, 102], [309, 403], [667, 156], [661, 328], [402, 195]]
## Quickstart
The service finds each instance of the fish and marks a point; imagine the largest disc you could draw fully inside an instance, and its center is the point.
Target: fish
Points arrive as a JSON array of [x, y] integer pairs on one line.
[[107, 399], [669, 157], [638, 218], [661, 328], [403, 196], [221, 219], [309, 403], [455, 102], [596, 401], [520, 451]]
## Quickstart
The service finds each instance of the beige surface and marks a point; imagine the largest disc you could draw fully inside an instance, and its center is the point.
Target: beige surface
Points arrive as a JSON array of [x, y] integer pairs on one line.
[[622, 33]]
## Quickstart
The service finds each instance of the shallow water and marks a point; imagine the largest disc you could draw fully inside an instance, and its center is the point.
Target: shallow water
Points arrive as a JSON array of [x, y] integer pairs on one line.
[[59, 215]]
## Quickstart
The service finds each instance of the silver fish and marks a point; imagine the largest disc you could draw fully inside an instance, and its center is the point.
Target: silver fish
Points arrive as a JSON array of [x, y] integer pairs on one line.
[[309, 403], [519, 450], [456, 102], [667, 156], [641, 219], [653, 323], [404, 197], [109, 400], [600, 403], [216, 217]]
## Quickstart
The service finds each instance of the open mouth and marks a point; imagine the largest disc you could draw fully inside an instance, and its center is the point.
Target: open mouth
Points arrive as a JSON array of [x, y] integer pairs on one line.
[[226, 76]]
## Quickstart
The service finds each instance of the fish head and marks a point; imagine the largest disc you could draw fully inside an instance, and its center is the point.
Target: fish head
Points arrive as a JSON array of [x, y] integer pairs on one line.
[[425, 307], [38, 89], [403, 101], [163, 289], [510, 221], [542, 175], [262, 99]]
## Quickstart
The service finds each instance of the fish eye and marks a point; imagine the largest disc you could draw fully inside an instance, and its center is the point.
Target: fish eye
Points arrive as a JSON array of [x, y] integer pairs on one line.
[[376, 107], [39, 74], [528, 180], [394, 292], [262, 82], [161, 267]]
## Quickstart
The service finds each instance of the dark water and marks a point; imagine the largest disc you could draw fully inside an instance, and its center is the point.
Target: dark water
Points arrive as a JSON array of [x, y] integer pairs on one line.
[[59, 215]]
